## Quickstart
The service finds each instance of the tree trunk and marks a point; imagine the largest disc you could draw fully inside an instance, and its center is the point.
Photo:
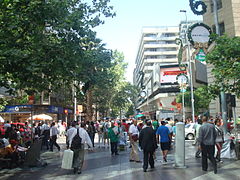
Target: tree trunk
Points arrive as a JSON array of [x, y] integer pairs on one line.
[[89, 105]]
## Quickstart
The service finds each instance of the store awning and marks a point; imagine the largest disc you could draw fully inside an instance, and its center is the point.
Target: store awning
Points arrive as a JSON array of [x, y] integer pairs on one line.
[[40, 117], [1, 119]]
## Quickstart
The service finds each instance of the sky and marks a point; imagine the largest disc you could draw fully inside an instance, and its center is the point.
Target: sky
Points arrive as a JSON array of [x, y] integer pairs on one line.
[[123, 31]]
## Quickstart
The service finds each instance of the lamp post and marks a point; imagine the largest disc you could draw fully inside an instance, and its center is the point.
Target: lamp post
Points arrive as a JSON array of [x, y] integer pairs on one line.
[[190, 67], [75, 100], [222, 93]]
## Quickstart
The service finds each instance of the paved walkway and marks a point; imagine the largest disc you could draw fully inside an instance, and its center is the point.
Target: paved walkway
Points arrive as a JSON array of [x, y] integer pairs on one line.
[[100, 165]]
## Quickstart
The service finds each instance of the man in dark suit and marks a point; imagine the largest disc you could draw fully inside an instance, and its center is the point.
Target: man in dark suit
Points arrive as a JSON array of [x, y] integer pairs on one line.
[[148, 142]]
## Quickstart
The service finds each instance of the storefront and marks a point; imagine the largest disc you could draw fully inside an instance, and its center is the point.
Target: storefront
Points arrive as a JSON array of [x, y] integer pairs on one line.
[[22, 113]]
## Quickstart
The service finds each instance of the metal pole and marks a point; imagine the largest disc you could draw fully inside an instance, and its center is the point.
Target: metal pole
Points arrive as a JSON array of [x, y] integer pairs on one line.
[[75, 101], [191, 82], [190, 68], [222, 93], [183, 110]]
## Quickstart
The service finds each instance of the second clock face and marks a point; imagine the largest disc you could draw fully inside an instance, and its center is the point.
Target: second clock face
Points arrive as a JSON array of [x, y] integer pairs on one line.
[[143, 94], [182, 79]]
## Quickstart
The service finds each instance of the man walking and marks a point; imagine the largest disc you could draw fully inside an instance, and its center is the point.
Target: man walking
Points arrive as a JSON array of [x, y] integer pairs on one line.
[[133, 137], [105, 133], [78, 156], [45, 131], [207, 138], [70, 132], [165, 137], [148, 142], [53, 136], [197, 154]]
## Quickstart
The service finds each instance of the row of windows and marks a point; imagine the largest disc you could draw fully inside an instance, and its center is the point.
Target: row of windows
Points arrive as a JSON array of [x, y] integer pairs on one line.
[[159, 42], [161, 49], [160, 35], [161, 57]]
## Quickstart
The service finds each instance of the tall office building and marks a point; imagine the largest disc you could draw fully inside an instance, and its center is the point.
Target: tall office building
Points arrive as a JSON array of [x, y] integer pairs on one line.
[[157, 48], [229, 23]]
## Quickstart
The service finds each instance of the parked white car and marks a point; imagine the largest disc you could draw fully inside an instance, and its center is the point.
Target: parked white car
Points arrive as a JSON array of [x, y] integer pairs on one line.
[[190, 131]]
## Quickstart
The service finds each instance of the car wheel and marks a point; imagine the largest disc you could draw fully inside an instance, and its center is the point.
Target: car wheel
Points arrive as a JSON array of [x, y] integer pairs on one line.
[[190, 136]]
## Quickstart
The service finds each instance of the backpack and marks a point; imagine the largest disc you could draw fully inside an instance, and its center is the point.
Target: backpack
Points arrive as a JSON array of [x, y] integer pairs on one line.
[[76, 141]]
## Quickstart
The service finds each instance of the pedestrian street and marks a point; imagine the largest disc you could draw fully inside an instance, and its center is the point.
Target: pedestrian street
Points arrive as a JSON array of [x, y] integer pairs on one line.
[[99, 165]]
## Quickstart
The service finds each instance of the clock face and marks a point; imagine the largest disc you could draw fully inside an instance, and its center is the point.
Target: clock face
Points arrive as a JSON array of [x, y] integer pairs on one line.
[[182, 79], [143, 93]]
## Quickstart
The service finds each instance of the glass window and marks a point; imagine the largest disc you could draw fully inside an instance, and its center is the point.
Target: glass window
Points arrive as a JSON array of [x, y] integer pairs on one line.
[[221, 28], [219, 5]]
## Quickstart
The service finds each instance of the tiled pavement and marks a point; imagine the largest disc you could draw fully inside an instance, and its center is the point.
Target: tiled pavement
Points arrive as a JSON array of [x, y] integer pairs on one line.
[[100, 165]]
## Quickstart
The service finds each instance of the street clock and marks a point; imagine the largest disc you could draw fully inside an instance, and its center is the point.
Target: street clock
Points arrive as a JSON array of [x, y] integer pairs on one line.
[[182, 79], [143, 94]]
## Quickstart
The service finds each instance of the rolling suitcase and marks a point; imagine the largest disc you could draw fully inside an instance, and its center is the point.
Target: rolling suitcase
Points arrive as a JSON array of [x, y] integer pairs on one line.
[[67, 159]]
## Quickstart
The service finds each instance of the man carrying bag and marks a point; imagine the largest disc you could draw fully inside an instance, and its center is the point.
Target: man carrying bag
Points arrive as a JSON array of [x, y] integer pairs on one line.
[[76, 144]]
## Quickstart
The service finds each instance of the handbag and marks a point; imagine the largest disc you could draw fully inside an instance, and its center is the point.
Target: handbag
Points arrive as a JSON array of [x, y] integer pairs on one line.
[[135, 137], [67, 159]]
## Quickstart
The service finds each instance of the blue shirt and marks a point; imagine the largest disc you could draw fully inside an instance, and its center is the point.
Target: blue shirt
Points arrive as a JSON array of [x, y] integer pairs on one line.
[[174, 128], [163, 131]]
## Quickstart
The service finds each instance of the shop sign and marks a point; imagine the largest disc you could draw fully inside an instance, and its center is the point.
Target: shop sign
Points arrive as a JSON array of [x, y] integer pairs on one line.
[[55, 109], [79, 108], [18, 108], [166, 111]]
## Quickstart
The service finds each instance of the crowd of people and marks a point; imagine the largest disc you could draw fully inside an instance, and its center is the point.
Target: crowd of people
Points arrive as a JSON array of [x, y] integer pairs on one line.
[[145, 135]]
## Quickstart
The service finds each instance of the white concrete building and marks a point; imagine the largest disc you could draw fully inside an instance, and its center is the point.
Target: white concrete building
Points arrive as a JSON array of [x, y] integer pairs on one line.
[[157, 48], [157, 67]]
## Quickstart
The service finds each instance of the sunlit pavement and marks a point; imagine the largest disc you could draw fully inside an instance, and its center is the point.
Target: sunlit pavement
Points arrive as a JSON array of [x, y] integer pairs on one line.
[[99, 164]]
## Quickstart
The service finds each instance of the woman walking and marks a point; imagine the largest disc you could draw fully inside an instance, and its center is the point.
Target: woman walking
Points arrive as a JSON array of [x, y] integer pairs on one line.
[[219, 139]]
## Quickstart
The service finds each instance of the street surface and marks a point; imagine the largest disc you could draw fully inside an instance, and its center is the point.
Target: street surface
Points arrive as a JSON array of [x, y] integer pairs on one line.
[[100, 165]]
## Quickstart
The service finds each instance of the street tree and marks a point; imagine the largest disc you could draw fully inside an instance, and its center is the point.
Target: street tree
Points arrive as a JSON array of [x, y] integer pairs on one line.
[[42, 42], [202, 97], [225, 58]]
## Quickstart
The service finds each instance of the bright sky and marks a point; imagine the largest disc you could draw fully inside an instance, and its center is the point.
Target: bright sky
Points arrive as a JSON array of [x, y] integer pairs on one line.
[[123, 32]]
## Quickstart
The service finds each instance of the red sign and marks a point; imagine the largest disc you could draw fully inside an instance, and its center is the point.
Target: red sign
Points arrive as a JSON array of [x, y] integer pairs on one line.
[[174, 72]]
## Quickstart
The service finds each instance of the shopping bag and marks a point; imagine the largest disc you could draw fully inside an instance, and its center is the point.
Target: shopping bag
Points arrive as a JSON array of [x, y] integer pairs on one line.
[[67, 159]]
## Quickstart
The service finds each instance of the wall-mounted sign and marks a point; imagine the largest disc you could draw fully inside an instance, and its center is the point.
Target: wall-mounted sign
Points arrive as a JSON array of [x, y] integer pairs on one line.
[[201, 56], [168, 75], [18, 108], [199, 33]]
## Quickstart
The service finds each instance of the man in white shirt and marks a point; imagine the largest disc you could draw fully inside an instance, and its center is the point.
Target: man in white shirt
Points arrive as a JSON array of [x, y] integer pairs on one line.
[[133, 137], [70, 132], [53, 136], [7, 125], [45, 132], [78, 157]]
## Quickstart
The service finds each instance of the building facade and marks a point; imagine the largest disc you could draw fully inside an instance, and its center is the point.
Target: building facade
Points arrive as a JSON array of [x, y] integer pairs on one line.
[[157, 67], [229, 23], [157, 48]]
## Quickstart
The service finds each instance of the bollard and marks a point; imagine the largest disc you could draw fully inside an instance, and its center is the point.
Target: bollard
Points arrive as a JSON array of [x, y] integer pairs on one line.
[[180, 145]]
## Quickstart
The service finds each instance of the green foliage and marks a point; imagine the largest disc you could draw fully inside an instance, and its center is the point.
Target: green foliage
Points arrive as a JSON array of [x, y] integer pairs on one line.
[[202, 97], [43, 42], [130, 111], [225, 59]]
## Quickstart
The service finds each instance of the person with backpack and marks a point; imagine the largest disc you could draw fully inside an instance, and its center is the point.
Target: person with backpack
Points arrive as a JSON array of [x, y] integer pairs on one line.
[[76, 143]]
